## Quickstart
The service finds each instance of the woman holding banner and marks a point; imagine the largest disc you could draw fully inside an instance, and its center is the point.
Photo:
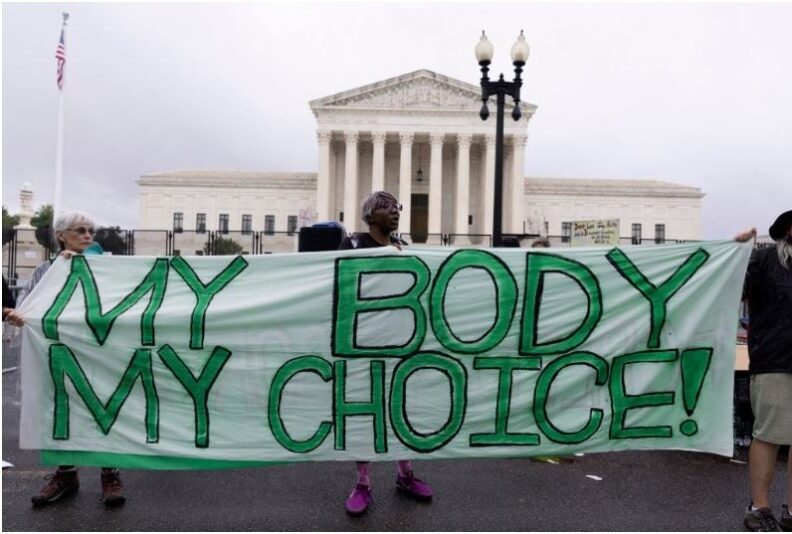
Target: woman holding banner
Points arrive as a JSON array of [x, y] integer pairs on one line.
[[768, 289], [74, 233], [380, 211]]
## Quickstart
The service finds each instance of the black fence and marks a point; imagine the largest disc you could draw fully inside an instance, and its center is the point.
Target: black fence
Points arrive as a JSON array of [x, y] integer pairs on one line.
[[119, 241]]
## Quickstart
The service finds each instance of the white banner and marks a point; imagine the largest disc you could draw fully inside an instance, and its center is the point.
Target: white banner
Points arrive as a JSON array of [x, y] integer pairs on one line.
[[381, 354]]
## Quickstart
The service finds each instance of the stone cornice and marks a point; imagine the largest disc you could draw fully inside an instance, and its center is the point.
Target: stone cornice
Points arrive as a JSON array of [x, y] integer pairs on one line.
[[417, 92], [232, 179], [605, 187]]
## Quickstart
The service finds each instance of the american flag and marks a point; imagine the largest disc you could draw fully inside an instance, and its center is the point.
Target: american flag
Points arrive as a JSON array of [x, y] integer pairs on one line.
[[60, 55]]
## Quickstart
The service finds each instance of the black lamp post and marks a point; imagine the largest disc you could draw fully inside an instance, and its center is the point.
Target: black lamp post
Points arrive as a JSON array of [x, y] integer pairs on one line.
[[500, 88]]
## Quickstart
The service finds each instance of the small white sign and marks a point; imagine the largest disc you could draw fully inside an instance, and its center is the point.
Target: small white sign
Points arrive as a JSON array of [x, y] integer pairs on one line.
[[596, 232]]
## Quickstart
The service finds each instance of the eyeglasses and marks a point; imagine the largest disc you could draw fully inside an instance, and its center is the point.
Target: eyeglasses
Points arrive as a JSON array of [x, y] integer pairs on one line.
[[389, 206], [83, 230]]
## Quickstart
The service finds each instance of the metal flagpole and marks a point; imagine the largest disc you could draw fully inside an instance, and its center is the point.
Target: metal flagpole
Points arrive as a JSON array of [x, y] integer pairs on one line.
[[60, 55]]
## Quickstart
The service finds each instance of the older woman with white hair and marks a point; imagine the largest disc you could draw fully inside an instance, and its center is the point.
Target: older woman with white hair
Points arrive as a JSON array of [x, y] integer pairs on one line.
[[74, 232]]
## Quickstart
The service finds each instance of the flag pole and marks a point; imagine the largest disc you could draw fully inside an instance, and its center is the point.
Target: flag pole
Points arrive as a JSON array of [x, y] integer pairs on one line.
[[60, 55]]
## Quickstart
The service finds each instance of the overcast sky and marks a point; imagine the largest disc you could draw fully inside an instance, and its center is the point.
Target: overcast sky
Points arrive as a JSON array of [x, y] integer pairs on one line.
[[696, 94]]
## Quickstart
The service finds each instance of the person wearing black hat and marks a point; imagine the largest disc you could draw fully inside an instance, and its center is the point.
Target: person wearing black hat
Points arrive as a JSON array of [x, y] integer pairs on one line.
[[768, 289]]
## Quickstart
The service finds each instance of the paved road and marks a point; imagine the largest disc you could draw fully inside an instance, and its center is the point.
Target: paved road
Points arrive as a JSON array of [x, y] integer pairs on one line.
[[639, 491]]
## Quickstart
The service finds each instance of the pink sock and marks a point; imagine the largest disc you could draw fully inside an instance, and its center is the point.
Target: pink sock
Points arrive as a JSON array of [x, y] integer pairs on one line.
[[403, 467], [363, 469]]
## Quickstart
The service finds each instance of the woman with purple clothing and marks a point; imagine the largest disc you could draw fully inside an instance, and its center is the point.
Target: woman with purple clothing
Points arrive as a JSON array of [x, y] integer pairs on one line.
[[380, 211]]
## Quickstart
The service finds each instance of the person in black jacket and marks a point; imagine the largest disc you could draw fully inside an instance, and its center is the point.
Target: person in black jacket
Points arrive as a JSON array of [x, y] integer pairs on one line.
[[768, 290], [381, 211], [9, 302]]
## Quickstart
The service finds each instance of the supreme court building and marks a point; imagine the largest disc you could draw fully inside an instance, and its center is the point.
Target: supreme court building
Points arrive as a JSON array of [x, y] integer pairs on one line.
[[420, 137]]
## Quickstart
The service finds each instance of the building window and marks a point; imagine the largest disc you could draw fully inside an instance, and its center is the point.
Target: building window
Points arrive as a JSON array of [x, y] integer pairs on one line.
[[636, 234], [566, 232], [200, 223], [659, 233], [247, 224], [222, 225], [269, 224], [178, 222], [291, 227]]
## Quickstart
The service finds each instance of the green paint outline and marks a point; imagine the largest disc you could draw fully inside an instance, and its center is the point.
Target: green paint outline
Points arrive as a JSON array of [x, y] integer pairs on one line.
[[194, 387], [377, 410], [347, 303], [63, 363], [287, 371], [542, 390], [505, 366], [400, 423], [621, 402], [201, 290], [666, 290], [697, 394], [101, 324], [505, 297], [537, 266]]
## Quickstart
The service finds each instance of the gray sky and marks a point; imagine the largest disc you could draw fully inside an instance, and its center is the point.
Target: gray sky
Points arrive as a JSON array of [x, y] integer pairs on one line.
[[697, 94]]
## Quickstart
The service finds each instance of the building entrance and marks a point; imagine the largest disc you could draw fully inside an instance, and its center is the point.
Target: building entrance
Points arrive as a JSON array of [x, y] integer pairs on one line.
[[419, 218]]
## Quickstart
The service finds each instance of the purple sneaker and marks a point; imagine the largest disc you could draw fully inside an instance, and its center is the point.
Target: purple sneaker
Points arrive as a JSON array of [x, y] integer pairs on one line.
[[415, 487], [358, 502]]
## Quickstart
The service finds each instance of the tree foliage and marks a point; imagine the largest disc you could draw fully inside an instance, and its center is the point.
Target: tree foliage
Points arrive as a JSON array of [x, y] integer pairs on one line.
[[42, 221], [223, 246], [9, 221], [112, 239]]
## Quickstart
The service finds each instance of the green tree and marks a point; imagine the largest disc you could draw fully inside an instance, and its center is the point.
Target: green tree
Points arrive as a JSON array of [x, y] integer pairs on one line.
[[42, 221], [9, 221], [111, 239], [223, 246]]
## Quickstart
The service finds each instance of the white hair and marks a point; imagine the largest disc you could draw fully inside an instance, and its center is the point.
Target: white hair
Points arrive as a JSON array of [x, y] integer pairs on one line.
[[784, 249], [67, 220]]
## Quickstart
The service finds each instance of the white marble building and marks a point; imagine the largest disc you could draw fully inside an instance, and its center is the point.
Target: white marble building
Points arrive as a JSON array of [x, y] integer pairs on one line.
[[420, 136]]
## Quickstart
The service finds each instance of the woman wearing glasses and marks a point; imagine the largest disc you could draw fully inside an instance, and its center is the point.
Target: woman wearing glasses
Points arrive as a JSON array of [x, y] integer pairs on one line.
[[380, 211], [74, 233]]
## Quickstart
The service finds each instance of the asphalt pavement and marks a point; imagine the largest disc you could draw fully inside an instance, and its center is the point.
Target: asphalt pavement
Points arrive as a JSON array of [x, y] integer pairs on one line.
[[627, 491]]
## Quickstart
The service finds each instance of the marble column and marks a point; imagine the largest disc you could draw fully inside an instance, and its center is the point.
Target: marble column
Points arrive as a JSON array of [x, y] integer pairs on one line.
[[518, 183], [435, 188], [506, 195], [463, 190], [323, 197], [405, 180], [378, 165], [488, 200], [351, 200]]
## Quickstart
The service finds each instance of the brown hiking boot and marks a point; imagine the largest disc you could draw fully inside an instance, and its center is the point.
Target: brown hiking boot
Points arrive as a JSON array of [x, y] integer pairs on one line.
[[112, 489], [61, 484]]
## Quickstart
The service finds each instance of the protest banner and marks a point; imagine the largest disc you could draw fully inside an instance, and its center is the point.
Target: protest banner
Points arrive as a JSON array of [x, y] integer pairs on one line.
[[595, 232], [375, 354]]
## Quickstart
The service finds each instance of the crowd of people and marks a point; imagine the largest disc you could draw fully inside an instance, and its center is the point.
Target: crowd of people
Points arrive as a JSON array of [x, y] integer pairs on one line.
[[768, 291]]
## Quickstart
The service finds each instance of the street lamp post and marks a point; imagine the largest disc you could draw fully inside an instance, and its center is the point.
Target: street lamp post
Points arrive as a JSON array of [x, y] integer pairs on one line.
[[500, 88]]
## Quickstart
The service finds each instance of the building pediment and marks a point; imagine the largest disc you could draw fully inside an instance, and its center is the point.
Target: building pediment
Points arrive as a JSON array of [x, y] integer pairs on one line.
[[419, 90]]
